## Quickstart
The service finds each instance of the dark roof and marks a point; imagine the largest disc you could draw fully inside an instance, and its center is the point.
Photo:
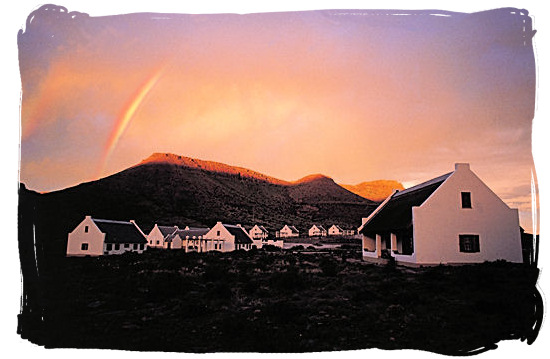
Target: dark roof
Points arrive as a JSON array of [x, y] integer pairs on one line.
[[120, 231], [293, 229], [183, 233], [193, 228], [167, 230], [241, 237], [396, 214]]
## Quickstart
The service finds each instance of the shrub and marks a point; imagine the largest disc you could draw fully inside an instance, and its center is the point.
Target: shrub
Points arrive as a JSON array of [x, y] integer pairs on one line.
[[329, 267]]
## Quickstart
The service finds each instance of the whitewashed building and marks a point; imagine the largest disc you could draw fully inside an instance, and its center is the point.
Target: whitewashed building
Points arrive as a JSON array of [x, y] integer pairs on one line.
[[96, 237], [258, 232], [288, 232], [158, 235], [451, 219], [225, 238], [192, 238], [335, 230], [317, 231]]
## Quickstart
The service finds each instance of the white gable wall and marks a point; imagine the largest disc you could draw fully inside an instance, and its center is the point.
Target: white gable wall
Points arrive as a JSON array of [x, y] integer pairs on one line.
[[220, 236], [155, 236], [93, 237], [440, 220], [256, 232], [334, 231]]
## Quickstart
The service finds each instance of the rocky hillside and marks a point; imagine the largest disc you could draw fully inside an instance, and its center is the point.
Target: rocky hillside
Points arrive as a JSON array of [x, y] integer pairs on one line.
[[184, 191], [374, 190]]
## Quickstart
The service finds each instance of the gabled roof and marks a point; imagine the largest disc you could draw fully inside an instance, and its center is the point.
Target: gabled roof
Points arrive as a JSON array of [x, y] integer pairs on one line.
[[396, 213], [167, 230], [120, 231], [241, 237], [321, 228], [338, 227], [293, 229], [184, 233]]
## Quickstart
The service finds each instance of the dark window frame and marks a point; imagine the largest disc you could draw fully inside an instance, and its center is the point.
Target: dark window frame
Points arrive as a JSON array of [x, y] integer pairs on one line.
[[84, 247], [86, 228], [466, 199], [468, 243]]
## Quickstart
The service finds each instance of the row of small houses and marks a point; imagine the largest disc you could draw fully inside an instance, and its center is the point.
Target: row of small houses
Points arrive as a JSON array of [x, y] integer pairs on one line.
[[103, 237], [95, 237], [451, 219]]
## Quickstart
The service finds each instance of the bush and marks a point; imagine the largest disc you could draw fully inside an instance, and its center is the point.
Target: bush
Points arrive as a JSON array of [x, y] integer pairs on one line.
[[329, 267]]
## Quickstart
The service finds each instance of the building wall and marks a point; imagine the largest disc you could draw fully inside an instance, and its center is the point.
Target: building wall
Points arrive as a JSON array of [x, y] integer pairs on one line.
[[176, 243], [287, 232], [93, 237], [155, 236], [219, 234], [441, 218], [122, 248], [334, 231], [256, 232]]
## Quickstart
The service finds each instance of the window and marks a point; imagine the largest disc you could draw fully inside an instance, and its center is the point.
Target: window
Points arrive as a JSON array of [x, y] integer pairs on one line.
[[135, 246], [158, 242], [218, 233], [86, 229], [469, 243], [126, 245], [466, 199], [84, 246], [117, 247], [141, 246]]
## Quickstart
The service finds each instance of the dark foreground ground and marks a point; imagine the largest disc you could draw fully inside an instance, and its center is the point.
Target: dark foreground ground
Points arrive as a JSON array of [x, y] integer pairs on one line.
[[280, 301]]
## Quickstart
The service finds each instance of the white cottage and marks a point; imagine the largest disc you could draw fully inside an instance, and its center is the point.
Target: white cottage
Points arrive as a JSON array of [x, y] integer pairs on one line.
[[335, 230], [258, 232], [158, 235], [317, 231], [225, 238], [192, 238], [451, 219], [288, 232], [96, 237]]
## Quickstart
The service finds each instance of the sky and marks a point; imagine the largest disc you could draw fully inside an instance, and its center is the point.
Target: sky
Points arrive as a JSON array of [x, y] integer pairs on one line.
[[493, 168], [353, 94]]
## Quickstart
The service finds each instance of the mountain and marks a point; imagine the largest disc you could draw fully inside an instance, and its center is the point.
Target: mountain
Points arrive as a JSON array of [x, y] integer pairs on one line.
[[374, 190], [174, 190]]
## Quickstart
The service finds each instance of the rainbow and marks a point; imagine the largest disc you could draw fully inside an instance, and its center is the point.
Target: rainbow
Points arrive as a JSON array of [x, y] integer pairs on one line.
[[126, 115]]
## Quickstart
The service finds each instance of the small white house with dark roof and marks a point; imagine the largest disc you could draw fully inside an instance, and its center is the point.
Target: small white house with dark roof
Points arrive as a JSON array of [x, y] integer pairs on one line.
[[288, 232], [317, 231], [158, 235], [335, 230], [191, 237], [258, 232], [96, 237], [225, 238], [452, 219]]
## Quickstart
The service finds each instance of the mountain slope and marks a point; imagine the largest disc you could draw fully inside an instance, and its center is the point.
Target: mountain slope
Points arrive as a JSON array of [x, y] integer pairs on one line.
[[201, 193], [374, 190]]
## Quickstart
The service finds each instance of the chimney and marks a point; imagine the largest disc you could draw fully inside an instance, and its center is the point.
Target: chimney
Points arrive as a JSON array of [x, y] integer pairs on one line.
[[462, 166]]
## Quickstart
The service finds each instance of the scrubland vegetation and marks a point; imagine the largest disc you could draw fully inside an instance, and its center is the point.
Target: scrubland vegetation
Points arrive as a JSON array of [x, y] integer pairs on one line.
[[272, 300]]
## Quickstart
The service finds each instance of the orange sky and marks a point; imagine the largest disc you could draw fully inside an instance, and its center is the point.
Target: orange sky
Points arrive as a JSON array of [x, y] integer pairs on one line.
[[355, 95]]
